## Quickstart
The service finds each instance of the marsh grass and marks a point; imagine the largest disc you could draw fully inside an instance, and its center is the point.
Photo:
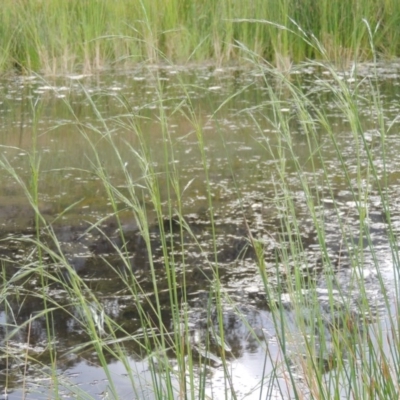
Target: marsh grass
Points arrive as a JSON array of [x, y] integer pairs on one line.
[[330, 346], [62, 37], [355, 351]]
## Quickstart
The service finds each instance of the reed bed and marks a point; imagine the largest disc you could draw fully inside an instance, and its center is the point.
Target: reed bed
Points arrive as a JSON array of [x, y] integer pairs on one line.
[[356, 364], [57, 37]]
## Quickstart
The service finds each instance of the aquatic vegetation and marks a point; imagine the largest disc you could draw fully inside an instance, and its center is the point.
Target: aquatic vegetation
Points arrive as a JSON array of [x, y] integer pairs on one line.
[[37, 35]]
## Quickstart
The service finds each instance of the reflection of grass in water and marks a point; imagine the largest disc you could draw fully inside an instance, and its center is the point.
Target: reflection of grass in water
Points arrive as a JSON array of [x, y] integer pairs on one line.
[[316, 332]]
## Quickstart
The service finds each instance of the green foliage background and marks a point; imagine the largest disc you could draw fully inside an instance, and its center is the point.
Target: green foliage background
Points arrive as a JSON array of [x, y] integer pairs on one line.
[[57, 36]]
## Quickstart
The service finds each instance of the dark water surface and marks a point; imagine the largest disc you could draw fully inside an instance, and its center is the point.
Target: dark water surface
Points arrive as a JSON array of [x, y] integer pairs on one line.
[[244, 153]]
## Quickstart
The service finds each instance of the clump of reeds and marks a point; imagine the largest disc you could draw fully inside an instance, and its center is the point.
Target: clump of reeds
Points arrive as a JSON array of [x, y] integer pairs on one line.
[[60, 37]]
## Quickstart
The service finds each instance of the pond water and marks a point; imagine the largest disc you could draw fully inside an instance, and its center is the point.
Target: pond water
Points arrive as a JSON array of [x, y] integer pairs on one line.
[[244, 153]]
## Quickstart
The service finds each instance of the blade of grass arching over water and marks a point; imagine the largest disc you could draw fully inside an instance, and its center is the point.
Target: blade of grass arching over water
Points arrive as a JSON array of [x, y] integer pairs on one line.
[[150, 179]]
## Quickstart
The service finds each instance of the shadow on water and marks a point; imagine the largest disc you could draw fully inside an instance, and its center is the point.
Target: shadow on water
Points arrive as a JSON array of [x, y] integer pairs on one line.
[[98, 251]]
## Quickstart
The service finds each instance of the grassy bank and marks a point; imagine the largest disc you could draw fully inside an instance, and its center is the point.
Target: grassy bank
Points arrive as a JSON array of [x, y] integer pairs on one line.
[[58, 37]]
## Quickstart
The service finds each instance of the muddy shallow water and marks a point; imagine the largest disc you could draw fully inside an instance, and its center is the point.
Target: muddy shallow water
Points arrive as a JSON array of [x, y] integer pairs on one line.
[[244, 152]]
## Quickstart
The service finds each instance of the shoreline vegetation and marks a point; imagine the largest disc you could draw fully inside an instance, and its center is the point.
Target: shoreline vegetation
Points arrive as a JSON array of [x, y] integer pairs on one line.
[[57, 37]]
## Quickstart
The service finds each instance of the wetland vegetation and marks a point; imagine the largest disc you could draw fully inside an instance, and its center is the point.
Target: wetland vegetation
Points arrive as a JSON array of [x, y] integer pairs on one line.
[[219, 231], [59, 37]]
